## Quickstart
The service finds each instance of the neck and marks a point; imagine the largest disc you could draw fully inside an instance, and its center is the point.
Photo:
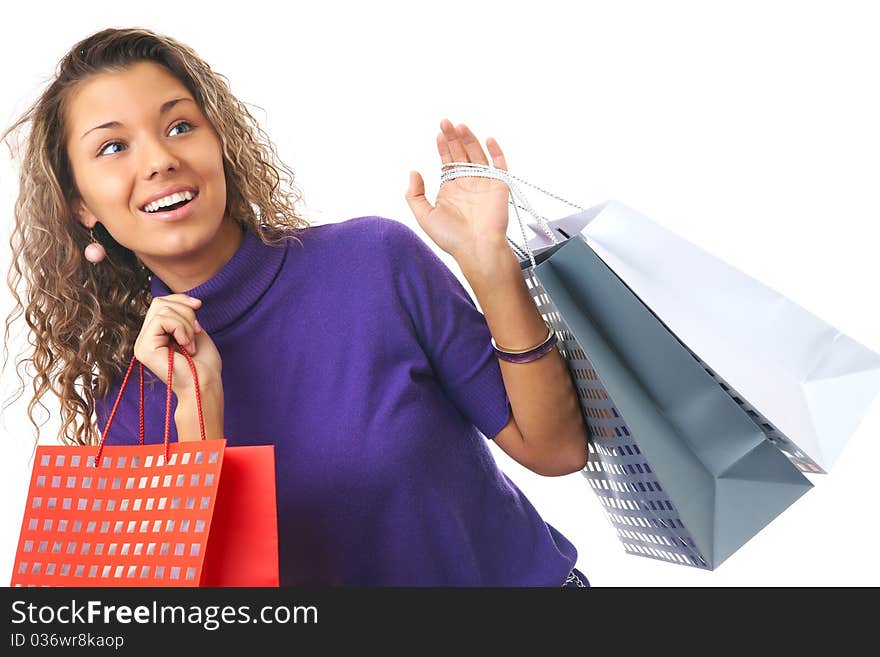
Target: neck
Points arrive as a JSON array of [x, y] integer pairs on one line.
[[189, 271]]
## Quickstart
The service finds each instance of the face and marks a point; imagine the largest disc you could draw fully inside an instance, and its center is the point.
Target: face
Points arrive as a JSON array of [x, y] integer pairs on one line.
[[117, 169]]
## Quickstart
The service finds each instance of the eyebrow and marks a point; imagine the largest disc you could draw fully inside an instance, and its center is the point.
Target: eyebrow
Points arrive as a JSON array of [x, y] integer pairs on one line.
[[166, 106]]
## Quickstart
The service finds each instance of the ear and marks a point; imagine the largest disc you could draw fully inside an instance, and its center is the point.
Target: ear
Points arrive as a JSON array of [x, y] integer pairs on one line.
[[83, 214]]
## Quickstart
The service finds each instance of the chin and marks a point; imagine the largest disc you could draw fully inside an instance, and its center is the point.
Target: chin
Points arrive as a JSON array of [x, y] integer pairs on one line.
[[186, 240]]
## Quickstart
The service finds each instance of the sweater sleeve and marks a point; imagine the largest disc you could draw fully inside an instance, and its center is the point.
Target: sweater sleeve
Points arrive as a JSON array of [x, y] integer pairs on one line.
[[451, 330]]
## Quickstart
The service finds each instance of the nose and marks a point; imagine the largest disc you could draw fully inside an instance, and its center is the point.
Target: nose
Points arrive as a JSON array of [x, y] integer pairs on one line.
[[157, 157]]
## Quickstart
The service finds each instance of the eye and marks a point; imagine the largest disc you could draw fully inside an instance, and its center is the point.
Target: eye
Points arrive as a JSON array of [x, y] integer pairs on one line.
[[114, 143]]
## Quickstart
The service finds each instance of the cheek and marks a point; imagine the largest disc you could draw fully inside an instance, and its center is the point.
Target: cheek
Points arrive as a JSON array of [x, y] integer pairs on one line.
[[109, 188], [204, 149], [211, 164], [217, 158]]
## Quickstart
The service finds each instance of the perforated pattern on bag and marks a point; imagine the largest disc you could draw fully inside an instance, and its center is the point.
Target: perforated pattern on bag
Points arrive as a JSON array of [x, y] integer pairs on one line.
[[132, 521], [785, 445], [646, 521], [800, 460]]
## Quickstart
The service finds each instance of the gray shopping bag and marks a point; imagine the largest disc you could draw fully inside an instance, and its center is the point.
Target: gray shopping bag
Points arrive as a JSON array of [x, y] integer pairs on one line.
[[805, 383], [683, 473]]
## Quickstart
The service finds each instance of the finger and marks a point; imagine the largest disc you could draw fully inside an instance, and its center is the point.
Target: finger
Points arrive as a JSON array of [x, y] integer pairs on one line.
[[169, 321], [415, 197], [181, 297], [498, 159], [471, 145], [454, 144], [184, 309], [443, 149]]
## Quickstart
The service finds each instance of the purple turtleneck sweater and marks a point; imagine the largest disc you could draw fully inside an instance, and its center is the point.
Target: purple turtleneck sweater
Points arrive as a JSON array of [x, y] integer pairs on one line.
[[364, 361]]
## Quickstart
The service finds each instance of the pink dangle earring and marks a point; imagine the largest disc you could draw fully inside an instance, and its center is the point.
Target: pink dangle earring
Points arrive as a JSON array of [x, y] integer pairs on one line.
[[95, 251]]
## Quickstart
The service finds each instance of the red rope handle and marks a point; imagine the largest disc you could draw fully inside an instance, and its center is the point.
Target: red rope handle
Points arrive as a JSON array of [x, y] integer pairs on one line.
[[167, 435], [141, 404]]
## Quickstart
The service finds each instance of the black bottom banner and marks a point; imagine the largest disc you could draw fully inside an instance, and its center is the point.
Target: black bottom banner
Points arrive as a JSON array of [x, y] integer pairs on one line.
[[176, 620], [137, 620]]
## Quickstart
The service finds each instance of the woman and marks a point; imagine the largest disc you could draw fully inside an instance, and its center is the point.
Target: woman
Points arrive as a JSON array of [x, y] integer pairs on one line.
[[150, 212]]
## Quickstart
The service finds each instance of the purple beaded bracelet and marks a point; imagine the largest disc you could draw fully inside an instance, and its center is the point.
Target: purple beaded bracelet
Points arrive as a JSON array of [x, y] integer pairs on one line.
[[527, 355]]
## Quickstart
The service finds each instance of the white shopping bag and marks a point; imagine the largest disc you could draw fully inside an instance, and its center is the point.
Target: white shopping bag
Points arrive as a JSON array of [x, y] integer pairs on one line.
[[805, 383]]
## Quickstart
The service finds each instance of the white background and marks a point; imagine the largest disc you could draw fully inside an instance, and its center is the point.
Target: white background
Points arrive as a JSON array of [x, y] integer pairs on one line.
[[749, 128]]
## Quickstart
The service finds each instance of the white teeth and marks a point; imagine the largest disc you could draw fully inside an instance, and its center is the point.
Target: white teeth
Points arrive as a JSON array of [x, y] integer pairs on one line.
[[169, 200]]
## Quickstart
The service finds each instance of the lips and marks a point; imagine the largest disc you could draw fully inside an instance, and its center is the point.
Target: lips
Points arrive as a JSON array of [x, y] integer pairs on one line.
[[173, 215], [168, 191]]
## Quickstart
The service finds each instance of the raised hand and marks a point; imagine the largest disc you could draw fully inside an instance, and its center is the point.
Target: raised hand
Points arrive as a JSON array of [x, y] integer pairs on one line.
[[471, 214]]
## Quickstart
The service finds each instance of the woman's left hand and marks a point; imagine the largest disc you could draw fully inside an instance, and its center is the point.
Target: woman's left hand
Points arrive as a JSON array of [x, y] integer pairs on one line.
[[471, 213]]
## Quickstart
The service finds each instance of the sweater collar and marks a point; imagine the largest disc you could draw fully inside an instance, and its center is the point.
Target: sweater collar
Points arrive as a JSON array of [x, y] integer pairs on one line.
[[235, 289]]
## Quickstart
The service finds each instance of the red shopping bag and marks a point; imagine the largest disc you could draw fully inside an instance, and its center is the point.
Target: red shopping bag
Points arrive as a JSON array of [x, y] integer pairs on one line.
[[177, 514]]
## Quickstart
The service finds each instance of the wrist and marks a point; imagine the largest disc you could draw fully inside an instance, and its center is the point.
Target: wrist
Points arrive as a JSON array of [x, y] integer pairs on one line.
[[489, 264], [186, 415], [206, 384], [209, 393]]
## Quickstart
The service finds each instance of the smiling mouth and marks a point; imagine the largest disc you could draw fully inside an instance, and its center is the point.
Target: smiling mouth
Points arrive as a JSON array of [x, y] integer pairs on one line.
[[174, 206]]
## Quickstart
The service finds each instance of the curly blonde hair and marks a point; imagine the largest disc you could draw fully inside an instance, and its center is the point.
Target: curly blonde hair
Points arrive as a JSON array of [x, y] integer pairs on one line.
[[85, 318]]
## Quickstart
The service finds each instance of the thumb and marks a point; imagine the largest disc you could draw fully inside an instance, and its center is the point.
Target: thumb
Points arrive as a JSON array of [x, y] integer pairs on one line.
[[415, 196]]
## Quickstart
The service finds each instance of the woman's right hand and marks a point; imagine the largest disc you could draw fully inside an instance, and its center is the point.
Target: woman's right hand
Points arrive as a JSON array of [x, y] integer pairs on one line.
[[173, 317]]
